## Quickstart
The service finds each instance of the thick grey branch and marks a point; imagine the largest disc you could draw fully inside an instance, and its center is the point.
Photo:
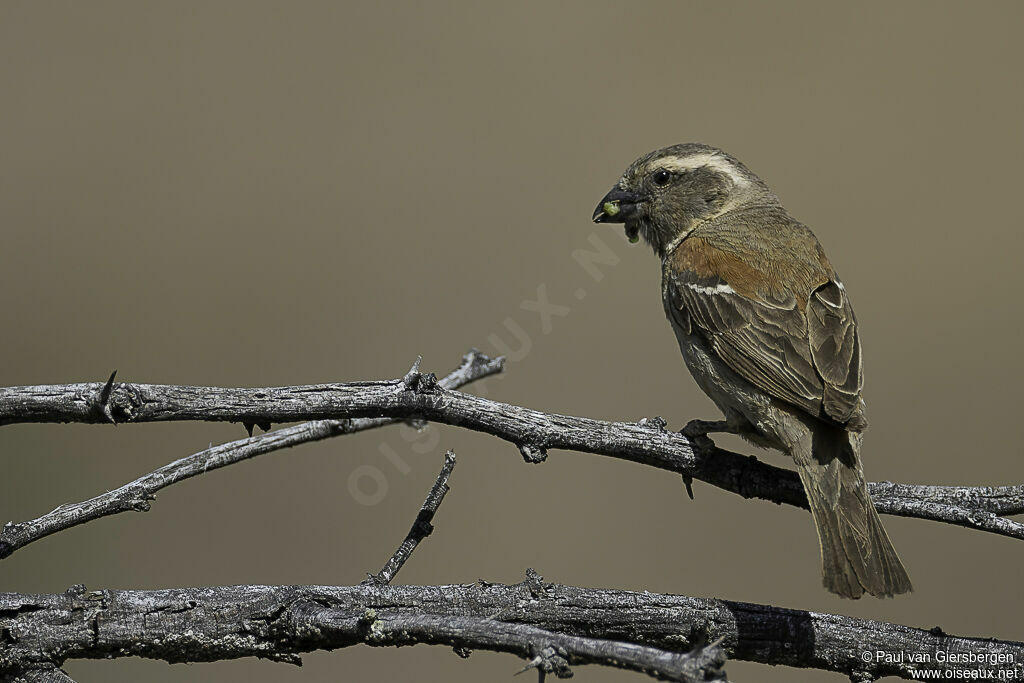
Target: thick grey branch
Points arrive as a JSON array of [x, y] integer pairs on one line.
[[421, 526], [136, 495], [419, 396], [280, 622]]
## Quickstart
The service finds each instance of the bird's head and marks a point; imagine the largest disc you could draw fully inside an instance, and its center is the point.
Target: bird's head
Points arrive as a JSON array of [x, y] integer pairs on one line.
[[664, 195]]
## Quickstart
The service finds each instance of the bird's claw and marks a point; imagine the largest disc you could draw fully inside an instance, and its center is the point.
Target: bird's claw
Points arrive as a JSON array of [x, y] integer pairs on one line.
[[695, 429]]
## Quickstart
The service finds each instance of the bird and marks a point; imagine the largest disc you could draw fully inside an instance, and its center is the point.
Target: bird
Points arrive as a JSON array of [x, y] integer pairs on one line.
[[766, 328]]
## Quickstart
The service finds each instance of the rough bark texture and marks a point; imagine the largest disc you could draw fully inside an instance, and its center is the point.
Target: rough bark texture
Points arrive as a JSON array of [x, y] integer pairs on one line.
[[44, 674], [280, 622]]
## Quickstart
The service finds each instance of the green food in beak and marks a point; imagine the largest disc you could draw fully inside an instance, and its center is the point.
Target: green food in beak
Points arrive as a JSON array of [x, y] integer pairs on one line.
[[611, 208]]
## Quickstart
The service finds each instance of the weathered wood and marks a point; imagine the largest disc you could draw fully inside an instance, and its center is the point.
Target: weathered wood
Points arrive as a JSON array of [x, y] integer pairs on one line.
[[281, 622]]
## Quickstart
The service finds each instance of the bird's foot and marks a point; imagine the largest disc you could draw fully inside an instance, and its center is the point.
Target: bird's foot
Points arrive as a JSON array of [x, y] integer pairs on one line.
[[697, 432], [695, 429]]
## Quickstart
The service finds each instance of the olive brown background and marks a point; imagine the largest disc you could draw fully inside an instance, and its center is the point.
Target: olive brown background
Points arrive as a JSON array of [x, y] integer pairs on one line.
[[281, 193]]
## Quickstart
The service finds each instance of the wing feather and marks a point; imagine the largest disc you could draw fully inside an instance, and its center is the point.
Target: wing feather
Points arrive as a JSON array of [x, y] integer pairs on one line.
[[809, 358], [835, 349]]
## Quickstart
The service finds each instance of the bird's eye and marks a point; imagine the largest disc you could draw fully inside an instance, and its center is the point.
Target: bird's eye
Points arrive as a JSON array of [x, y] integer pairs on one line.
[[661, 177]]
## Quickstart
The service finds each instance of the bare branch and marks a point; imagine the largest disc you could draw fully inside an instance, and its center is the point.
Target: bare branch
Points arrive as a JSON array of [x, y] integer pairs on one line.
[[421, 526], [419, 396], [280, 622], [120, 402], [135, 495]]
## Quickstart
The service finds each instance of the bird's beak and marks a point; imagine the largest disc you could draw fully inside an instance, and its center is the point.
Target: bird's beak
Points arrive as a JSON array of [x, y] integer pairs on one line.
[[619, 206]]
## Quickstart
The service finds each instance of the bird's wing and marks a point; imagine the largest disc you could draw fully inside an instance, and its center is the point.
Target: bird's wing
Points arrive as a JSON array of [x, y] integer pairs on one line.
[[805, 352], [835, 349]]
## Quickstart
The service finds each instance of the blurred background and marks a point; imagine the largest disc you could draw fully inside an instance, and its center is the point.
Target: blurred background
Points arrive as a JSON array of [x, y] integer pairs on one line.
[[260, 193]]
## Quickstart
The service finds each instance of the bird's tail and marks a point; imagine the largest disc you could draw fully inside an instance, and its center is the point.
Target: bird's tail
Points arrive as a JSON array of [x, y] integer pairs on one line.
[[856, 554]]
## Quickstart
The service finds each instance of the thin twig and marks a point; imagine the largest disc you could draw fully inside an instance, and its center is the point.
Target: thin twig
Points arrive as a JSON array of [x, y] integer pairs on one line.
[[421, 526], [136, 495], [281, 622]]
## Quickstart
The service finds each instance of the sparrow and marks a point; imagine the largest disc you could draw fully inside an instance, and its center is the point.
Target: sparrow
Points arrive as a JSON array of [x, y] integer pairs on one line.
[[766, 328]]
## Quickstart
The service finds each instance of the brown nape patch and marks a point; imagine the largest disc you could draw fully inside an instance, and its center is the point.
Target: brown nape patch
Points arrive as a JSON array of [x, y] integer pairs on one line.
[[708, 262], [750, 276]]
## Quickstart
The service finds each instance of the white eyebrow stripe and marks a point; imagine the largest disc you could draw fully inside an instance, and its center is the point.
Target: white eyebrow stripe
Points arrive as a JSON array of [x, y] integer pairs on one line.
[[695, 161], [717, 289]]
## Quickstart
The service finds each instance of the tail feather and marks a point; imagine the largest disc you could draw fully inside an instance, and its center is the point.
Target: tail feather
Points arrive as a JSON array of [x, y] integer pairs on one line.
[[856, 553]]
